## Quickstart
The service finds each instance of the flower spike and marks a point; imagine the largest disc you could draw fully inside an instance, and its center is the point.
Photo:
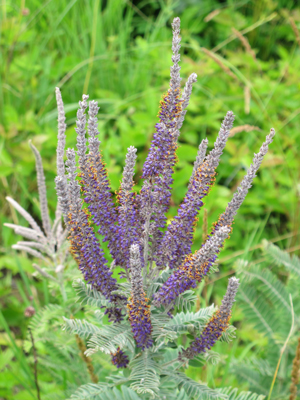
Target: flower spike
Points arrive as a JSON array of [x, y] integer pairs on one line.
[[139, 310], [216, 325], [85, 247], [96, 189], [128, 229], [192, 270], [199, 159], [60, 151], [177, 241], [239, 196]]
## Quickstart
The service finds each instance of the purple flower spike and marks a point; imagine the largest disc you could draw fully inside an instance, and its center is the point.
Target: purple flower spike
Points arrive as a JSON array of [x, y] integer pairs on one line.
[[193, 269], [139, 310], [96, 188], [128, 230], [161, 146], [226, 219], [215, 326], [177, 241], [85, 247], [119, 359]]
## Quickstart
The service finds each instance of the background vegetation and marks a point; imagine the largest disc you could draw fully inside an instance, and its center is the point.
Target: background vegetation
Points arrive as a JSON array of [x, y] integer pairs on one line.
[[247, 58]]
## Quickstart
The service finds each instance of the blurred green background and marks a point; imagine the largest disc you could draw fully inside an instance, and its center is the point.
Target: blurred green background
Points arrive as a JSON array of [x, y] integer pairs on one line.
[[247, 58]]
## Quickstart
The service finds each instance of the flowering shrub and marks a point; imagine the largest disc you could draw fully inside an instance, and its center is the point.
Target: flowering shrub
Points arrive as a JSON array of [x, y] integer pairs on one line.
[[155, 258]]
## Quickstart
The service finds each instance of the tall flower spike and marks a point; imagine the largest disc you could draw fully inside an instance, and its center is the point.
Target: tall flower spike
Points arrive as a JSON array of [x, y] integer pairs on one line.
[[162, 188], [199, 159], [128, 229], [60, 151], [97, 194], [85, 247], [177, 241], [172, 97], [139, 310], [63, 205], [193, 269], [185, 99], [57, 229], [170, 108], [216, 325], [158, 170], [227, 217]]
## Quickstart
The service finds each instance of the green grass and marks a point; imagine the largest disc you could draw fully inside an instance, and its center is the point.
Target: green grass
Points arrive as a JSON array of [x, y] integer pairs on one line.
[[120, 54]]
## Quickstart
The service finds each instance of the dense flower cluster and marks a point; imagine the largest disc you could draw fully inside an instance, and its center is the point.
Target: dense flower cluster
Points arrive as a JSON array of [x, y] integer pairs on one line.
[[119, 359], [93, 174], [139, 310], [129, 229], [215, 326], [135, 228], [85, 247]]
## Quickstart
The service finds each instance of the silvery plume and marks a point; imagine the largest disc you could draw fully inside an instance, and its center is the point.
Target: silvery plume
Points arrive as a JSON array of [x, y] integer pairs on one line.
[[49, 244]]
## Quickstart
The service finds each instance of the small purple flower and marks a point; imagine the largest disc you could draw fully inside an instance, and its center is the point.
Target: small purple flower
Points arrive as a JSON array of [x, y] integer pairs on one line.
[[114, 314], [119, 359]]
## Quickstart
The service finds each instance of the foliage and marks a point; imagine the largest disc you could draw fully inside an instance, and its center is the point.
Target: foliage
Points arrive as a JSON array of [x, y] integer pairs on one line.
[[265, 301]]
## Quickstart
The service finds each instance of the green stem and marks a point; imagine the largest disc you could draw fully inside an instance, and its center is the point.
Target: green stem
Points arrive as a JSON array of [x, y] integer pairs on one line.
[[92, 49], [283, 349]]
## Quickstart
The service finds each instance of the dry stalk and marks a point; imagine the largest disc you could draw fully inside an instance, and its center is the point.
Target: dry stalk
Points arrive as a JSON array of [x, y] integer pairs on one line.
[[247, 96], [295, 29], [245, 43], [211, 15], [220, 63], [243, 128], [295, 373], [87, 360]]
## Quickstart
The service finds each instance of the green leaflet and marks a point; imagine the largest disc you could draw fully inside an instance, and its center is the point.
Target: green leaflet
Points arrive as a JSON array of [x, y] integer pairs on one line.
[[280, 257], [234, 395], [80, 327], [193, 389], [181, 321], [144, 376], [87, 295], [103, 392], [110, 337]]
